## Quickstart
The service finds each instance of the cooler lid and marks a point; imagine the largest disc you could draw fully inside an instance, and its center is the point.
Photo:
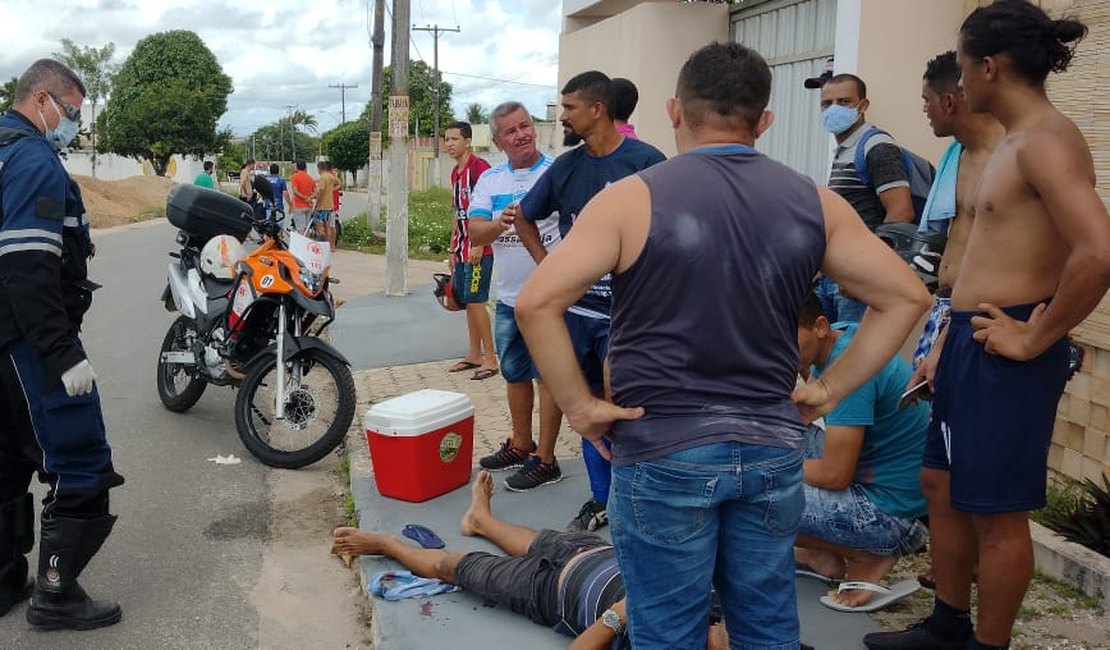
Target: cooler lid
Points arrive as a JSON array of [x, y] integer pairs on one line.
[[417, 413]]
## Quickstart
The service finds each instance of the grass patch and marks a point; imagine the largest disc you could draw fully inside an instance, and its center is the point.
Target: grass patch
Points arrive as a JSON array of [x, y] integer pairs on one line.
[[351, 511], [1026, 613], [1074, 597], [431, 220], [147, 215]]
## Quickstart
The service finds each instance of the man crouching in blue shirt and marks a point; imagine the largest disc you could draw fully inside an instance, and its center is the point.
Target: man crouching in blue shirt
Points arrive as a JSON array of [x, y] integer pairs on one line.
[[862, 491]]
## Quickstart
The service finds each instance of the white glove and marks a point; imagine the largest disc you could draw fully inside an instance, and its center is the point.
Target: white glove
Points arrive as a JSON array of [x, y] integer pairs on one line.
[[79, 379]]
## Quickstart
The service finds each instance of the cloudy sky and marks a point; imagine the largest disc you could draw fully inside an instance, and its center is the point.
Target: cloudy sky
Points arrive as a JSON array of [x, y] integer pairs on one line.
[[287, 52]]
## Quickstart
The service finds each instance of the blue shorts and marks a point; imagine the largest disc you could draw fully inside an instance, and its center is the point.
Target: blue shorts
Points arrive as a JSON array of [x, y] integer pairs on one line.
[[850, 519], [321, 216], [992, 420], [590, 337], [512, 352], [470, 282]]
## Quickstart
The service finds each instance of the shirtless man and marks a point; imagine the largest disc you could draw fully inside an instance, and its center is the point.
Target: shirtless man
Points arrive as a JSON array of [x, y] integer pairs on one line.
[[1037, 263], [976, 135]]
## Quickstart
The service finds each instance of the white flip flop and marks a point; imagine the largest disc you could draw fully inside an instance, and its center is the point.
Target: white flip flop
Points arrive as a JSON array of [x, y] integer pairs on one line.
[[883, 595]]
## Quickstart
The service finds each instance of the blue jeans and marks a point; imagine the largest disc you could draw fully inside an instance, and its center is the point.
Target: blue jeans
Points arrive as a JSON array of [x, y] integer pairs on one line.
[[722, 515], [837, 308]]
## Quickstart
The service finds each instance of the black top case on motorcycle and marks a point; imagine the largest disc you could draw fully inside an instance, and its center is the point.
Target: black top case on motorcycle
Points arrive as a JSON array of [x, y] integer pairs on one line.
[[203, 213]]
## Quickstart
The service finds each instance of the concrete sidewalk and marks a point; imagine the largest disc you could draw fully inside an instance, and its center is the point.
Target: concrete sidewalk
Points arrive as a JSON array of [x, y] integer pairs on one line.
[[400, 345]]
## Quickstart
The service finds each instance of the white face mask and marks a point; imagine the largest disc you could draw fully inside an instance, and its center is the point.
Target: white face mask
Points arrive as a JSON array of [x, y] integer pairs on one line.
[[62, 134]]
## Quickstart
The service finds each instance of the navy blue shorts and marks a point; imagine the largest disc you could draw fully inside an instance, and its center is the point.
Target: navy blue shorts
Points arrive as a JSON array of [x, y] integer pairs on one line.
[[471, 281], [992, 420], [590, 337]]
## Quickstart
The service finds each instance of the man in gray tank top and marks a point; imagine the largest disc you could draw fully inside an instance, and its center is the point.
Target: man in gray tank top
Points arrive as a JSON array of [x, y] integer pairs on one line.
[[712, 255]]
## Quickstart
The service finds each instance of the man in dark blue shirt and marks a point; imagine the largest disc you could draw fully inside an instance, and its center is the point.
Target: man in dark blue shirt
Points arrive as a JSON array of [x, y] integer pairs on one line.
[[570, 183]]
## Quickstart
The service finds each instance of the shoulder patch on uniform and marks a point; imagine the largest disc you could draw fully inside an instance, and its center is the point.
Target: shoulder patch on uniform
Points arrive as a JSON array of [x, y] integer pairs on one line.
[[50, 208]]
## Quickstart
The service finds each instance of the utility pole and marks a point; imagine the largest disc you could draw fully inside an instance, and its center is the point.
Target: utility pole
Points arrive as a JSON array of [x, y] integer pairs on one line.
[[292, 131], [374, 182], [397, 222], [343, 98], [435, 30]]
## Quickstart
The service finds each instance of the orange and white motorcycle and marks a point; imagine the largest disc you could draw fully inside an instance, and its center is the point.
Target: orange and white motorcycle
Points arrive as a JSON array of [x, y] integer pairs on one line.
[[252, 320]]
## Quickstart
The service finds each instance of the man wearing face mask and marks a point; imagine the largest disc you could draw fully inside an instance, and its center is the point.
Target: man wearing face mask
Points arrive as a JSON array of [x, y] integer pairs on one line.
[[50, 416], [884, 197]]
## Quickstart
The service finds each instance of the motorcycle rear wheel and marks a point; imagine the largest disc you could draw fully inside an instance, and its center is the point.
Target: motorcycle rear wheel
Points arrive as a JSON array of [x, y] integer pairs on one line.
[[319, 408], [177, 388]]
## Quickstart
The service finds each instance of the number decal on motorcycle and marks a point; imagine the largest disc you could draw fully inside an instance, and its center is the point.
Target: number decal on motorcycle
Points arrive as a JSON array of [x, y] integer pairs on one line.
[[266, 282]]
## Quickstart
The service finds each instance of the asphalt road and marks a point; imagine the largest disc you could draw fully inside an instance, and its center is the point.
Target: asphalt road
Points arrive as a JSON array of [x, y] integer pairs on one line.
[[187, 549]]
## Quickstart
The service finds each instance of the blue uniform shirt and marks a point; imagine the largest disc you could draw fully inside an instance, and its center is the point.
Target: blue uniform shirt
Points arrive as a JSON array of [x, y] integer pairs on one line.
[[569, 184]]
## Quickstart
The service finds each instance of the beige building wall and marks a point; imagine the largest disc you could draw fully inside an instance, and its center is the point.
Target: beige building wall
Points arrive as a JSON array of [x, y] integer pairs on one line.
[[648, 44], [896, 39]]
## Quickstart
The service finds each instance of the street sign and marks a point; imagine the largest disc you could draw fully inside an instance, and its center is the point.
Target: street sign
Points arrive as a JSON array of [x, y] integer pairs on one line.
[[398, 116]]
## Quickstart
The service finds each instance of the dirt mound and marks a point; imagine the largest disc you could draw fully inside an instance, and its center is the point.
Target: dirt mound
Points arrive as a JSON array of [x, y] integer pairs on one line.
[[112, 203]]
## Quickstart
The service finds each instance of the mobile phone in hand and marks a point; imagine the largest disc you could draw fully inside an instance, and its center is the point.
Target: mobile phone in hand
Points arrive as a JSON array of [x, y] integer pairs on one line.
[[914, 393]]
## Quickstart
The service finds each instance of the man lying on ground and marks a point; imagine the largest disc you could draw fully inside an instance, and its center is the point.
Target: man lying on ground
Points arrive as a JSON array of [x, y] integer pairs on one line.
[[541, 563]]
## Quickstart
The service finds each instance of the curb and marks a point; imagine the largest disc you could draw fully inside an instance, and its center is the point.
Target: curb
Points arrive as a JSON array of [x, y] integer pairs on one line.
[[1071, 563]]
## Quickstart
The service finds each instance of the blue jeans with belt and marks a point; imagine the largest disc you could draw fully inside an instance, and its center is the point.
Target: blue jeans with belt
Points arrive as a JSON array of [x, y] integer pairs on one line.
[[722, 515]]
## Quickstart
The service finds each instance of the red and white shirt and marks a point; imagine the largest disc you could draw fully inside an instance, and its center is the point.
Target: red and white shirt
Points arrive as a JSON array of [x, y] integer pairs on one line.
[[462, 184]]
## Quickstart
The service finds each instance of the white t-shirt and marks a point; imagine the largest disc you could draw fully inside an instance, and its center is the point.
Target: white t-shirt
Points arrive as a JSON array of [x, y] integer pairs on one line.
[[497, 188]]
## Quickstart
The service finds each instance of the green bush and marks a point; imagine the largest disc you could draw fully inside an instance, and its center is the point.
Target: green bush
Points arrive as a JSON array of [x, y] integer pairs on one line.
[[1081, 514], [431, 220]]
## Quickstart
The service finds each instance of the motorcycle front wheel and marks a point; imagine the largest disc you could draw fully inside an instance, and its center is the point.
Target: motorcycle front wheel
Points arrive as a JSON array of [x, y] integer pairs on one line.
[[319, 408], [178, 385]]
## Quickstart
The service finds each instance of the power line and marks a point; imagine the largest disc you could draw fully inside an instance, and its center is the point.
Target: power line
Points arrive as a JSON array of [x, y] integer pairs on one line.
[[500, 81]]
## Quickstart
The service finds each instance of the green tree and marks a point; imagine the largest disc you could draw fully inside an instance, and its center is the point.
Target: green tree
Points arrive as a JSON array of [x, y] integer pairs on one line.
[[476, 114], [7, 93], [166, 99], [232, 157], [94, 66], [348, 145], [301, 119], [279, 141], [421, 100]]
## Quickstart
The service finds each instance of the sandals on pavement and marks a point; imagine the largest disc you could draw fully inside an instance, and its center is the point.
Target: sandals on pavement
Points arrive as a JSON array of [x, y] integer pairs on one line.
[[463, 366], [484, 373], [422, 535], [883, 595]]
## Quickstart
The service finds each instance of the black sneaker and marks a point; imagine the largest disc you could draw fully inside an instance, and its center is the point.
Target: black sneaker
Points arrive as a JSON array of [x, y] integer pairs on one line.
[[507, 457], [533, 474], [591, 517], [917, 637]]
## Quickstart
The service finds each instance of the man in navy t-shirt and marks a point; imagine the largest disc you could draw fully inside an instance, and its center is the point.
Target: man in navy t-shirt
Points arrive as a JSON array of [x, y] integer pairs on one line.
[[574, 179]]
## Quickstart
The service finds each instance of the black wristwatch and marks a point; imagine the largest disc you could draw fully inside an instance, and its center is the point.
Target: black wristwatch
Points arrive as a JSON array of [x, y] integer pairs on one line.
[[612, 620]]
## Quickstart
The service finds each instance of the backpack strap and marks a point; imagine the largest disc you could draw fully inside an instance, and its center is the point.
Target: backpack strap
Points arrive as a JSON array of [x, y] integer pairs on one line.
[[860, 159]]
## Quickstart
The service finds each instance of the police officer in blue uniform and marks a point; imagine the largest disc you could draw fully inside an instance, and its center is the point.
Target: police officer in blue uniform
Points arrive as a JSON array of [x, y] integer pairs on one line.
[[50, 417]]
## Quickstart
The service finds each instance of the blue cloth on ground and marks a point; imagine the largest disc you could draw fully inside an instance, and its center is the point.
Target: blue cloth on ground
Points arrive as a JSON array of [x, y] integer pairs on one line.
[[399, 585], [940, 207]]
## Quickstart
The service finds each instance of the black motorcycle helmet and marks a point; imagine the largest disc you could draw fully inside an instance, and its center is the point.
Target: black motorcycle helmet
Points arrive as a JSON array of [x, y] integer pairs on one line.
[[922, 251]]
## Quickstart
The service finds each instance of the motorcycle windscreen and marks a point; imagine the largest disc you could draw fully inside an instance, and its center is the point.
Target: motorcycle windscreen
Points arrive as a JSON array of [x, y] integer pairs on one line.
[[313, 255]]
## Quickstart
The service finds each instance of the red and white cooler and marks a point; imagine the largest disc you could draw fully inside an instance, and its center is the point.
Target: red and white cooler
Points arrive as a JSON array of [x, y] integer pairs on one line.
[[421, 444]]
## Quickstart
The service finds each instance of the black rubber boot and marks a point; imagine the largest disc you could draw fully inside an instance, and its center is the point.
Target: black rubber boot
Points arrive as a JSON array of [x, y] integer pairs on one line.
[[17, 535], [58, 602]]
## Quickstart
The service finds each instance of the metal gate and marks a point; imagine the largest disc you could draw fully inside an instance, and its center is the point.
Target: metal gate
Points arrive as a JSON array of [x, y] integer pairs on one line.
[[795, 37]]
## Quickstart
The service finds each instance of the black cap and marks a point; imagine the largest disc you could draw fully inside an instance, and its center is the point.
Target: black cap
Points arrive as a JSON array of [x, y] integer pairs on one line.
[[826, 74]]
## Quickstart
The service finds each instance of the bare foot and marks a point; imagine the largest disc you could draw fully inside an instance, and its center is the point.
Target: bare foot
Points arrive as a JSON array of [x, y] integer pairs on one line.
[[352, 541], [481, 492], [863, 567], [826, 563]]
